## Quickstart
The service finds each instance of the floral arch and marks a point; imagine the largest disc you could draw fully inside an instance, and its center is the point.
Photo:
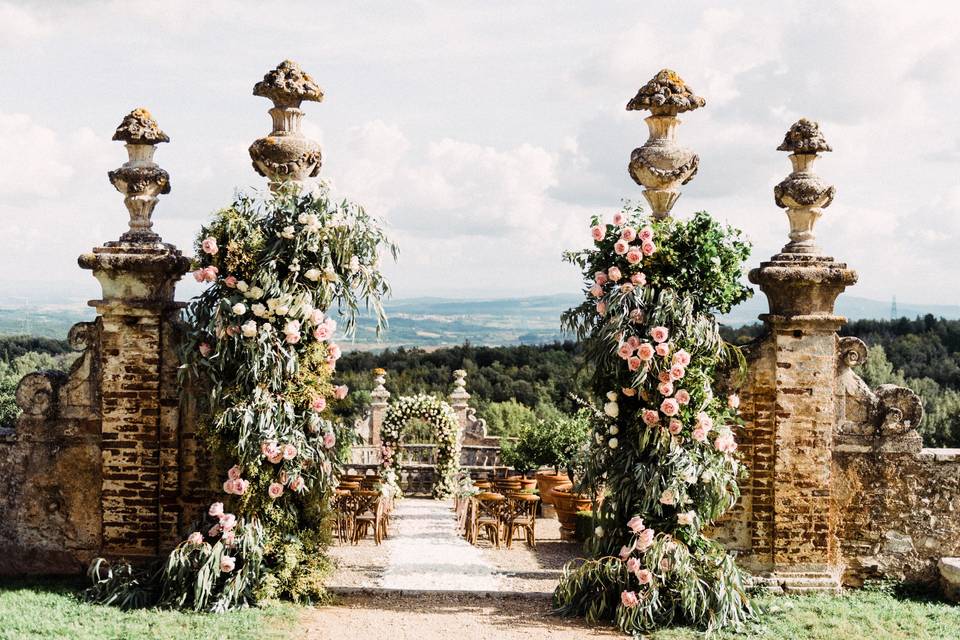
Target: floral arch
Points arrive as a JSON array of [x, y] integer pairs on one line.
[[447, 431]]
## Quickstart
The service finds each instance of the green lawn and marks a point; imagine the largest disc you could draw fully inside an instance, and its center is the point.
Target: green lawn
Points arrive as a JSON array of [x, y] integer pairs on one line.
[[869, 614], [51, 609]]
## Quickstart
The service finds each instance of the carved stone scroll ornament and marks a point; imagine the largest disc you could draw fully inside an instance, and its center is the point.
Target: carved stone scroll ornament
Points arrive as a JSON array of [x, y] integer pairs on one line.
[[286, 154], [803, 193], [900, 410], [36, 392], [852, 351], [662, 165]]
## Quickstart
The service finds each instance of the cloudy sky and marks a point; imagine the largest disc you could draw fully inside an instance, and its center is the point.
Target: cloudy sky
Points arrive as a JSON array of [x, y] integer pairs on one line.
[[485, 134]]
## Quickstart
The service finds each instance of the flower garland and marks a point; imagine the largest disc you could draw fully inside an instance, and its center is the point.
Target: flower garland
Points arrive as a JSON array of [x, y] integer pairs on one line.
[[437, 413], [663, 453], [259, 353]]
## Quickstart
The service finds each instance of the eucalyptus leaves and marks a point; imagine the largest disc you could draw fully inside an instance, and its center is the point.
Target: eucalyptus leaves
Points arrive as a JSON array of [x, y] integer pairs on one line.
[[663, 450], [447, 431]]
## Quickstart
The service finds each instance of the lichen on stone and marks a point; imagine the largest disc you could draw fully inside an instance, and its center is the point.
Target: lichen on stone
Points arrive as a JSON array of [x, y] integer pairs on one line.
[[288, 84], [139, 127], [804, 137], [666, 92]]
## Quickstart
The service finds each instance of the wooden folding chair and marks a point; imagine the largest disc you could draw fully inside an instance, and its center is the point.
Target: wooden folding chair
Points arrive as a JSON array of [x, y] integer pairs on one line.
[[520, 514]]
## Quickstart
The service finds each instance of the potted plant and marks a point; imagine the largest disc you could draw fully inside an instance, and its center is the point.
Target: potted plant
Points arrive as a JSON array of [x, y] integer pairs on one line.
[[560, 438], [521, 454]]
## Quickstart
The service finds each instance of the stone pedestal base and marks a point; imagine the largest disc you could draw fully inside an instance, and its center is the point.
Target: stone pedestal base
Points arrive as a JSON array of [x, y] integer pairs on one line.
[[800, 581], [950, 578]]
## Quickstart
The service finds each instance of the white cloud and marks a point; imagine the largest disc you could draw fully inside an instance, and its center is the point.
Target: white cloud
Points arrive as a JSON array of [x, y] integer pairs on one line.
[[19, 26]]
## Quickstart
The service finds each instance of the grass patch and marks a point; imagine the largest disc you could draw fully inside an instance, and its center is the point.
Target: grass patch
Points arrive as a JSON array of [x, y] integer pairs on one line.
[[867, 614], [52, 609]]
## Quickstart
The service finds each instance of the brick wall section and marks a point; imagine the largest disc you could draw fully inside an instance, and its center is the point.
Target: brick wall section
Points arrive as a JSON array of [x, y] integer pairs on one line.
[[131, 343]]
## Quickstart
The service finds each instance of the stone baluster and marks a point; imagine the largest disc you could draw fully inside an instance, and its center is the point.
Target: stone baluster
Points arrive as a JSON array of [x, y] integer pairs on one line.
[[460, 399], [137, 363], [285, 154], [662, 165], [794, 523]]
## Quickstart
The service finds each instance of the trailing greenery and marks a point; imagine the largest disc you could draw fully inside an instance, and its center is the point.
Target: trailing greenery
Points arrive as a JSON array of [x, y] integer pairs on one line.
[[662, 460], [259, 356]]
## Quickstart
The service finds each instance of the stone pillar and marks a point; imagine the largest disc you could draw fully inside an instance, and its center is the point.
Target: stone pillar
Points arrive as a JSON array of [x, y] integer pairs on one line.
[[460, 399], [792, 457], [138, 397], [662, 165], [378, 406]]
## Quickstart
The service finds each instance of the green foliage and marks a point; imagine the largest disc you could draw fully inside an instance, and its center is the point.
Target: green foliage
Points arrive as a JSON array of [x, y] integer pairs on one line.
[[20, 355], [662, 450], [508, 419], [551, 442]]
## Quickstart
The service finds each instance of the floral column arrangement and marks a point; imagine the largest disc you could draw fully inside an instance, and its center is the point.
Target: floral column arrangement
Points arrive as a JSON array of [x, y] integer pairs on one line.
[[662, 464], [259, 352]]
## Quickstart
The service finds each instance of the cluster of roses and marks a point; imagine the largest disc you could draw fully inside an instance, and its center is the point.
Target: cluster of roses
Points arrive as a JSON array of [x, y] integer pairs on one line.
[[643, 538], [633, 246], [225, 529], [234, 484]]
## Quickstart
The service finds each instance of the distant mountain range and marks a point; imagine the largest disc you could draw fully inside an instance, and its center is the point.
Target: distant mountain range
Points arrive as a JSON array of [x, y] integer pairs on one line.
[[436, 322]]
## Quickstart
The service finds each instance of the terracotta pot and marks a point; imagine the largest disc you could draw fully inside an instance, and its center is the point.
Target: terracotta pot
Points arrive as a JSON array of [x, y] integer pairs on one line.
[[567, 505], [546, 482], [527, 484]]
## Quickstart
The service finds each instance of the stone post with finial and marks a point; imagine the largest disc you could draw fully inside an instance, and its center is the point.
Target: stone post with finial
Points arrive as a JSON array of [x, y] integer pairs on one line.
[[460, 399], [285, 154], [137, 363], [380, 398], [791, 408], [662, 165]]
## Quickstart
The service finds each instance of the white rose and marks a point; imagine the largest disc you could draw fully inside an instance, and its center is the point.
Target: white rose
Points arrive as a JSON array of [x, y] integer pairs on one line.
[[258, 310], [685, 519], [249, 329], [668, 497], [612, 409], [598, 532], [611, 395], [302, 218], [312, 274], [614, 443], [242, 286], [239, 309], [281, 310], [354, 264], [614, 430], [287, 233], [255, 293], [329, 274]]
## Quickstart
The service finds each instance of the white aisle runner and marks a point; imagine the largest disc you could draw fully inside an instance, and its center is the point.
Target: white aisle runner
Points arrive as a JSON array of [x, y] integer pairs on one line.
[[425, 552]]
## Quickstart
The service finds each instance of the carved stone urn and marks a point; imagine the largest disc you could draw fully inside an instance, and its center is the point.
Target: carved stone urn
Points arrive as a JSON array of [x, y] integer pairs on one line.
[[803, 193], [285, 154], [662, 165]]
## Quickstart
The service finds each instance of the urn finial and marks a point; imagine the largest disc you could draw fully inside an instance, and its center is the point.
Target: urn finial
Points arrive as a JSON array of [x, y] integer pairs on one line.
[[286, 155], [662, 165], [140, 179], [803, 193]]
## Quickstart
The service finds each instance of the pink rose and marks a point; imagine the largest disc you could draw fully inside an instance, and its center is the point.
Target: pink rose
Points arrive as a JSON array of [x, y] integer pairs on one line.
[[205, 349], [329, 439], [618, 219], [628, 391], [233, 472], [625, 351], [596, 232], [683, 396], [638, 279], [632, 564], [626, 287], [292, 338], [198, 275], [322, 332], [297, 484], [733, 401], [637, 316], [602, 308], [209, 274], [333, 351], [216, 509], [195, 538], [705, 421], [675, 427], [663, 376], [677, 372], [233, 330], [635, 524], [227, 564], [663, 349], [665, 564], [340, 392], [316, 316], [289, 452], [227, 486], [650, 417], [670, 407], [629, 234], [239, 486], [209, 245], [659, 334], [645, 539], [645, 351], [665, 388], [596, 291], [634, 363], [600, 277], [230, 281], [614, 274], [319, 403], [682, 358], [699, 434], [228, 538], [275, 458], [629, 599], [634, 256], [648, 248], [214, 531], [633, 341], [725, 443], [228, 521], [620, 247], [646, 234], [275, 490], [644, 576], [625, 552]]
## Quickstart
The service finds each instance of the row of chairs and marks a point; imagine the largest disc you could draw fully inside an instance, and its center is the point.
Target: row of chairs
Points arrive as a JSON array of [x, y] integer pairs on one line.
[[361, 509], [499, 514]]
